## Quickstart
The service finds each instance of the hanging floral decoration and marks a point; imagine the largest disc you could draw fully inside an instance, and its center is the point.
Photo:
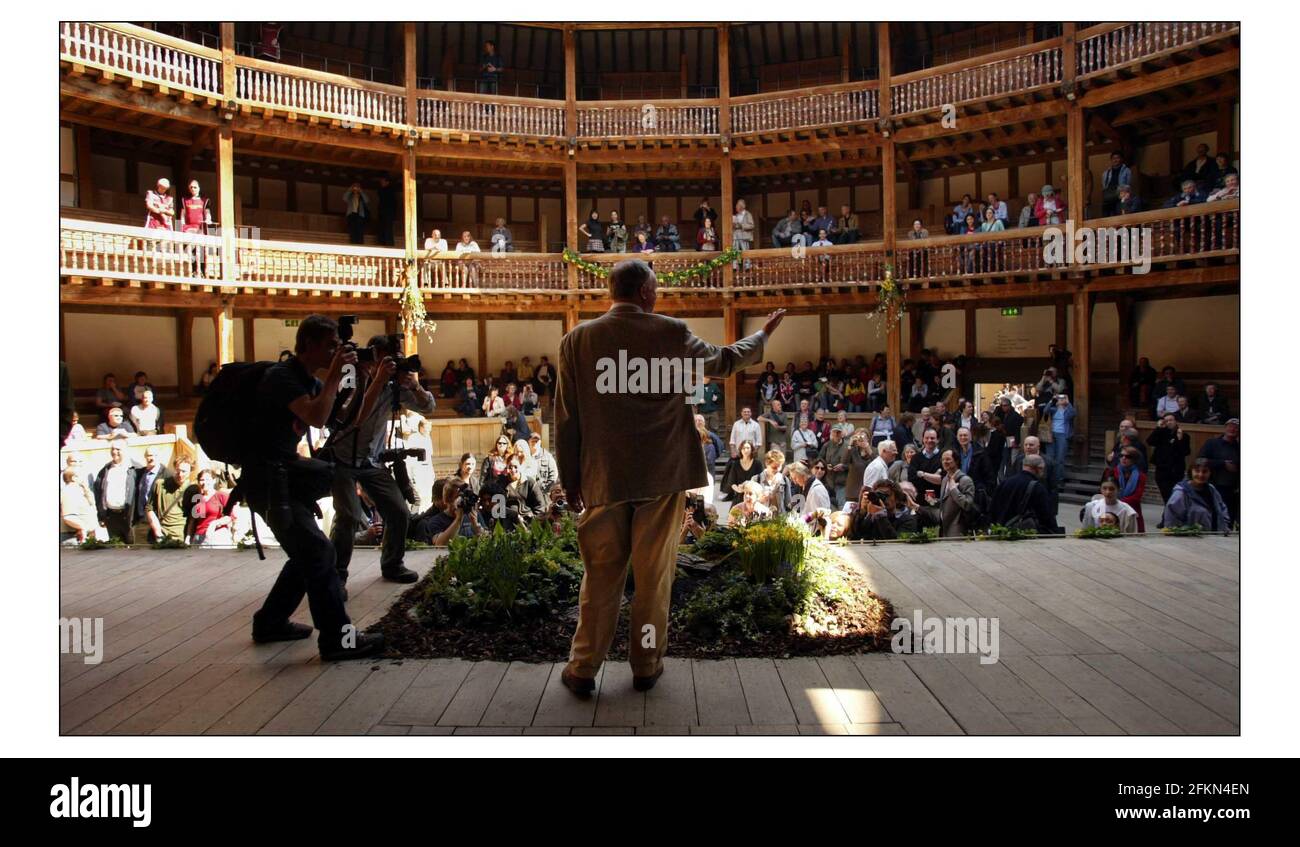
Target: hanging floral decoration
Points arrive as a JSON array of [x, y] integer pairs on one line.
[[412, 310], [893, 301], [701, 270]]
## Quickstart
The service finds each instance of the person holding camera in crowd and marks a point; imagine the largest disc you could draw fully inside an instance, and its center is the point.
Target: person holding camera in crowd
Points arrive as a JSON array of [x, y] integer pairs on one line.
[[386, 384], [283, 488], [513, 499], [458, 516], [883, 513]]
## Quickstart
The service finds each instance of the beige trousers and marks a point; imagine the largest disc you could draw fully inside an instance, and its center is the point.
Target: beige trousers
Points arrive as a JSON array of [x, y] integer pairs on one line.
[[644, 534]]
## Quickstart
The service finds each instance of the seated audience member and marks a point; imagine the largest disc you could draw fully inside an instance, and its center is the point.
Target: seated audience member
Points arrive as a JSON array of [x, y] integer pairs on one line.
[[918, 230], [76, 432], [516, 424], [1212, 407], [666, 238], [467, 244], [751, 508], [1168, 404], [963, 210], [115, 493], [493, 405], [212, 528], [1167, 376], [1224, 456], [693, 529], [1141, 383], [956, 499], [1021, 500], [543, 460], [1226, 169], [471, 400], [644, 228], [1107, 503], [1132, 482], [77, 505], [786, 229], [1230, 191], [146, 417], [883, 514], [1196, 502], [999, 208], [503, 241], [1127, 203], [1186, 414], [642, 243], [1029, 212], [450, 519], [110, 396], [529, 400], [448, 381], [847, 224], [1050, 208], [205, 381], [991, 222], [116, 426], [435, 243], [167, 508], [140, 386], [1190, 195]]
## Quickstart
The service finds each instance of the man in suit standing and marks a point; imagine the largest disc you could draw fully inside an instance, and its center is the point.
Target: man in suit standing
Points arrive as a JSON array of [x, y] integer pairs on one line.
[[633, 507]]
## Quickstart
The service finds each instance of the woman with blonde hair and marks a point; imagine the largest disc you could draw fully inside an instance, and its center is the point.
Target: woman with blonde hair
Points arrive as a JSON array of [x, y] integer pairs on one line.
[[751, 508], [773, 482]]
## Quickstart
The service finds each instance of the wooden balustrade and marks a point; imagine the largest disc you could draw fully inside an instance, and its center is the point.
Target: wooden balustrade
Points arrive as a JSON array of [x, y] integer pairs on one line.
[[308, 92], [494, 272], [639, 119], [824, 106], [93, 249], [450, 110], [1109, 46], [661, 263], [980, 78], [857, 264], [325, 267], [143, 54]]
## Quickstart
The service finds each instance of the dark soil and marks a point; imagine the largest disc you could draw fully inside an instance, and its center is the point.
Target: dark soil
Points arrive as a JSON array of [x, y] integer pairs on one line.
[[862, 626]]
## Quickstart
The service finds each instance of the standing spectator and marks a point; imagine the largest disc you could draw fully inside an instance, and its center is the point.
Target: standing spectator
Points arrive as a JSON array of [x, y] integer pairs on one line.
[[503, 241], [490, 67], [1061, 415], [160, 208], [145, 477], [435, 243], [666, 238], [1108, 503], [387, 210], [956, 499], [1190, 195], [706, 238], [1049, 209], [804, 443], [115, 493], [76, 432], [1226, 169], [494, 406], [166, 508], [999, 208], [212, 526], [356, 209], [110, 396], [1132, 482], [835, 455], [960, 212], [786, 229], [205, 381], [140, 386], [616, 232], [115, 426], [745, 465], [745, 429], [1111, 179], [928, 464], [77, 505], [642, 227], [548, 473], [1197, 502], [594, 231], [825, 221], [815, 496], [860, 457], [705, 213], [1224, 457], [1021, 500], [544, 377], [1029, 212], [1170, 448], [777, 424], [146, 417], [1141, 382], [742, 228], [1201, 171]]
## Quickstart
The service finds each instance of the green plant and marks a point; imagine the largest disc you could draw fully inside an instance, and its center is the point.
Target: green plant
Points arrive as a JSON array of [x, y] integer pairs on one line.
[[925, 536], [1194, 530], [1099, 532], [412, 544], [169, 543], [769, 549], [92, 543], [998, 532], [717, 543]]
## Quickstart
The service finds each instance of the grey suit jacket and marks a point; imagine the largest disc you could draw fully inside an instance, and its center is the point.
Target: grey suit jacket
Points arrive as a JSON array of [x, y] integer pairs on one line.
[[620, 445]]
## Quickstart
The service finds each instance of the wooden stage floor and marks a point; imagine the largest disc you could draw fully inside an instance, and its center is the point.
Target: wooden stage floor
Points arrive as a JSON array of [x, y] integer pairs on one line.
[[1133, 636]]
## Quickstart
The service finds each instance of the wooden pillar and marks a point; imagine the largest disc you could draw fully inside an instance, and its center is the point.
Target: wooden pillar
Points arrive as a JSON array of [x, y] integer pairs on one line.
[[685, 77], [824, 333], [731, 325], [972, 339], [1127, 309], [1076, 154], [184, 353], [571, 318], [228, 63], [846, 64], [894, 366], [728, 203], [914, 332], [482, 348], [726, 172], [570, 164], [410, 206], [85, 168], [1082, 363], [1062, 322], [223, 324], [226, 201], [1224, 122], [888, 165], [724, 79], [250, 354]]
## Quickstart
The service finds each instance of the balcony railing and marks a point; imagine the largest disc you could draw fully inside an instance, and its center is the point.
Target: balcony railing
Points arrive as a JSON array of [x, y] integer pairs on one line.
[[640, 119], [981, 78], [303, 92], [450, 110], [1110, 46], [142, 54], [110, 252], [824, 106]]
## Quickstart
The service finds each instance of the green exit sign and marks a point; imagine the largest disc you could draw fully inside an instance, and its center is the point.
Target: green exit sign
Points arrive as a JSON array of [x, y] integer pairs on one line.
[[294, 321], [1011, 312]]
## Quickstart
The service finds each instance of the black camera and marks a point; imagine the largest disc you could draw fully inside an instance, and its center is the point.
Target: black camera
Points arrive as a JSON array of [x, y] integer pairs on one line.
[[876, 497], [695, 505], [399, 453], [467, 500]]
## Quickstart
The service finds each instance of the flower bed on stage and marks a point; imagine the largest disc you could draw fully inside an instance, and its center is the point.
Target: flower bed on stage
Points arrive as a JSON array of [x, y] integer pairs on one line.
[[766, 590]]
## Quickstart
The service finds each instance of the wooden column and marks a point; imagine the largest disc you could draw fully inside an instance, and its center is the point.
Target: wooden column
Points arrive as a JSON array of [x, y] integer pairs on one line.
[[571, 318], [914, 332], [824, 335], [184, 353], [727, 174], [685, 76], [1062, 323], [85, 168], [972, 338], [1076, 154], [228, 63], [846, 64], [570, 164], [410, 190], [482, 348], [1082, 363], [888, 164], [250, 349], [1223, 126], [731, 327], [226, 201], [223, 324], [894, 366], [1127, 309]]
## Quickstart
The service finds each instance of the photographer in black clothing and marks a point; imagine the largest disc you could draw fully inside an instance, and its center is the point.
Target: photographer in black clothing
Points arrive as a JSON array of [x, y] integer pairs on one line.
[[512, 499], [883, 514], [457, 516], [283, 488], [357, 447], [1170, 447]]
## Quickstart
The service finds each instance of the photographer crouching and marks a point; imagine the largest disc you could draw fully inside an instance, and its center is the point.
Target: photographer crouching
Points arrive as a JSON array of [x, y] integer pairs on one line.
[[513, 498], [386, 384], [458, 516]]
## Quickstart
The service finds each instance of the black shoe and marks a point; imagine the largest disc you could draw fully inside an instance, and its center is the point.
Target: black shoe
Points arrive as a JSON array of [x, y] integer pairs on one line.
[[368, 644], [290, 631], [645, 683], [401, 575], [578, 685]]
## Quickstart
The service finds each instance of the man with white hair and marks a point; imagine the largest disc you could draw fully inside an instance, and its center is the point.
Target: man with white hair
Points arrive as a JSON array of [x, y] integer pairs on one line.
[[160, 209], [815, 495], [878, 469], [145, 416]]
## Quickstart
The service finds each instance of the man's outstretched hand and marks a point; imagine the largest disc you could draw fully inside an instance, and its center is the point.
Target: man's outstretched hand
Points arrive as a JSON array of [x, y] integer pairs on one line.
[[773, 321]]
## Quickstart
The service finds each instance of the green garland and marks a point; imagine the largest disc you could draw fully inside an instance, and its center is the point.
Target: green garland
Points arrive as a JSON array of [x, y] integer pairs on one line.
[[893, 301], [673, 278]]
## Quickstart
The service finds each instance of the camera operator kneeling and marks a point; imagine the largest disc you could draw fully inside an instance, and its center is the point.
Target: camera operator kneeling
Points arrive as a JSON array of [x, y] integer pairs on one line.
[[357, 450], [883, 514], [513, 499], [457, 517]]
